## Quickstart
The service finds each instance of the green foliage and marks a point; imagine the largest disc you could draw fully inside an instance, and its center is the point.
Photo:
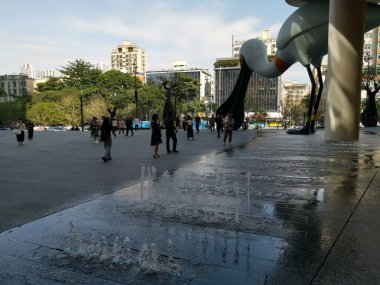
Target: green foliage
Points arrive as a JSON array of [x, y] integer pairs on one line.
[[2, 93], [44, 113], [115, 81], [80, 74], [151, 100], [58, 100], [95, 107], [52, 83], [186, 88], [13, 107], [192, 107], [227, 63]]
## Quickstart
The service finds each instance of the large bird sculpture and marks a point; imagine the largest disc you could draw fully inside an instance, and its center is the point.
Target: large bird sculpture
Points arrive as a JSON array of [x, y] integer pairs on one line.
[[302, 38]]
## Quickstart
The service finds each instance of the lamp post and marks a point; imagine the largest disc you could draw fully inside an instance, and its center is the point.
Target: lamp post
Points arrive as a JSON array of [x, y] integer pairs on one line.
[[175, 105], [136, 95], [81, 108]]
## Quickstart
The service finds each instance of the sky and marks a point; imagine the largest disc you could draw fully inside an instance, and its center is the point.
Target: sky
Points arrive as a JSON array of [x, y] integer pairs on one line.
[[48, 34]]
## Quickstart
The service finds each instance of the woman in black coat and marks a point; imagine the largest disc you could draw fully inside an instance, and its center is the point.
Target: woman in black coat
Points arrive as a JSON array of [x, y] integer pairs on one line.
[[105, 136], [156, 134]]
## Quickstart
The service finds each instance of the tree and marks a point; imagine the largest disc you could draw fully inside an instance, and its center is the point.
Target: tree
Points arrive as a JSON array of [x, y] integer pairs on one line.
[[95, 107], [70, 109], [44, 113], [371, 84], [192, 107], [80, 74], [116, 81], [151, 100], [186, 88], [52, 83]]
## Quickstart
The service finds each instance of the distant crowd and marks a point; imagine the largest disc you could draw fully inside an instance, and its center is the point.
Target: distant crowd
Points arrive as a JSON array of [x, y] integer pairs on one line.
[[104, 128]]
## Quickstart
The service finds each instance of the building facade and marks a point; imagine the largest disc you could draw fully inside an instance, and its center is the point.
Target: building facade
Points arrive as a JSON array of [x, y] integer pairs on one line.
[[294, 92], [129, 58], [269, 42], [371, 49], [27, 69], [15, 85], [43, 73], [263, 94], [202, 75]]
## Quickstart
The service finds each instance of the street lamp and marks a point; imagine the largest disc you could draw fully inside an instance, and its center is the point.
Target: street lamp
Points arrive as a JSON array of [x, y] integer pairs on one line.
[[81, 108], [136, 95], [175, 105]]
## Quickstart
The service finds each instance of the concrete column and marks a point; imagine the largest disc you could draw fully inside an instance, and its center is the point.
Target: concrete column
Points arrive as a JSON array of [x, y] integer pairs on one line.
[[345, 52]]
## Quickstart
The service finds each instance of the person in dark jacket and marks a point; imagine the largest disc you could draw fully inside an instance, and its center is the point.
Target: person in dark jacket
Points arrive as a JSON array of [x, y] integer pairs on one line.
[[219, 124], [30, 127], [129, 125], [156, 134], [197, 123], [170, 132], [105, 135]]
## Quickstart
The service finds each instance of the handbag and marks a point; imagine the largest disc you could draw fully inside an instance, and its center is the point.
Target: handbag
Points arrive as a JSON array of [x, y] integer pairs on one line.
[[17, 131]]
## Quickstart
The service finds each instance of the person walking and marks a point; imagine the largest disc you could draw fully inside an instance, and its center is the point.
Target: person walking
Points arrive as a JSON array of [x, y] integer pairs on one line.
[[19, 131], [129, 125], [184, 123], [197, 123], [228, 126], [121, 126], [94, 126], [171, 131], [212, 123], [156, 134], [189, 128], [219, 124], [105, 135], [114, 126], [30, 127]]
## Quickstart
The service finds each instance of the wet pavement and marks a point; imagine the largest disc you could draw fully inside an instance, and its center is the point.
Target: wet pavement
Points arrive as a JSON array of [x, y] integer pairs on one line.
[[269, 209]]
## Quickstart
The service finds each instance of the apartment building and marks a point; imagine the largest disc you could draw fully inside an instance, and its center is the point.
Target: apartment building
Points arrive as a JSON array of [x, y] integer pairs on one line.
[[294, 92], [15, 85], [269, 42], [129, 58]]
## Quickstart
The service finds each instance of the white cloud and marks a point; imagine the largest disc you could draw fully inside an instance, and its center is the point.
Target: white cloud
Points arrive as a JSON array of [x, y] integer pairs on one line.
[[169, 30], [198, 36]]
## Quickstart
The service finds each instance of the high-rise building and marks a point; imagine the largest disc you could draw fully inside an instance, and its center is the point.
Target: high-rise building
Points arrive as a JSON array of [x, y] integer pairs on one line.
[[202, 75], [102, 67], [27, 69], [269, 42], [38, 74], [129, 58], [263, 94], [294, 92], [371, 48]]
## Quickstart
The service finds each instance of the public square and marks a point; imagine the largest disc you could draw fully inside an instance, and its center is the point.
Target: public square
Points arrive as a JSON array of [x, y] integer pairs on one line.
[[268, 209]]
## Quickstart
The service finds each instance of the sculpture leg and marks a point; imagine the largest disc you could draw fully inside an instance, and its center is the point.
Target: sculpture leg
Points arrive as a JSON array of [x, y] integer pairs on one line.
[[317, 101], [306, 129]]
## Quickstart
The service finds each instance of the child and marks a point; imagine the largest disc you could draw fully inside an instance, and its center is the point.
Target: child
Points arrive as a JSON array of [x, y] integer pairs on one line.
[[156, 134]]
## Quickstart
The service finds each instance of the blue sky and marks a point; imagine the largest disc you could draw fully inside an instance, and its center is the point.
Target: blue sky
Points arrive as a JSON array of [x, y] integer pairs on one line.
[[47, 34]]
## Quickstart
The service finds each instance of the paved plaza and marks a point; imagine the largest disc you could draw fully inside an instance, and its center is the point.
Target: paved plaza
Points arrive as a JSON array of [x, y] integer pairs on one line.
[[270, 208]]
